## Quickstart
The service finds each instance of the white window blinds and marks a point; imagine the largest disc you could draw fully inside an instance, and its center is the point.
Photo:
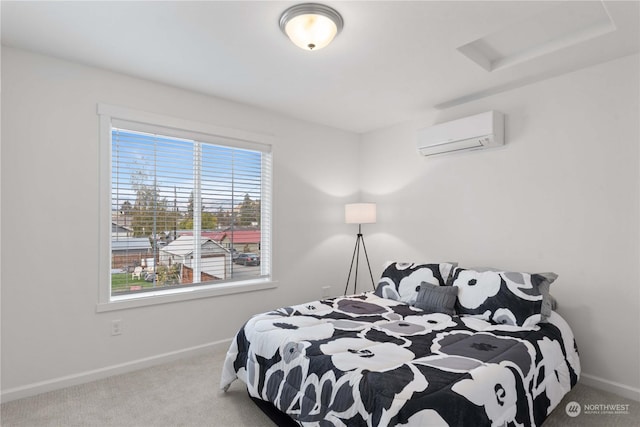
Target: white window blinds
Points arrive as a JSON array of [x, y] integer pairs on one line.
[[186, 212]]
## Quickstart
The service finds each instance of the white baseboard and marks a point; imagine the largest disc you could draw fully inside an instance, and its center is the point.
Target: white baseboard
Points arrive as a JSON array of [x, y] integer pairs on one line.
[[98, 374], [610, 386]]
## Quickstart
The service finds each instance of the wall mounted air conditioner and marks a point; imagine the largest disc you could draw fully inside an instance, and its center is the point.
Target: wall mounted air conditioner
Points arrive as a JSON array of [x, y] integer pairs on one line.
[[469, 133]]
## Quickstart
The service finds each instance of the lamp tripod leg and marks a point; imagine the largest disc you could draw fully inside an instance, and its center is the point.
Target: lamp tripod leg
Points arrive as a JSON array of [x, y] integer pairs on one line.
[[353, 257], [373, 284], [355, 279]]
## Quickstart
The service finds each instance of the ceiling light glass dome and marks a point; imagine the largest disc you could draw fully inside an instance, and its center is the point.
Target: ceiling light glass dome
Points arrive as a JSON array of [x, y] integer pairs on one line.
[[311, 26]]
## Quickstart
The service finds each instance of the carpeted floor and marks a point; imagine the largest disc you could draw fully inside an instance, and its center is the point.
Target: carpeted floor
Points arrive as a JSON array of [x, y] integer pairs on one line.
[[185, 393]]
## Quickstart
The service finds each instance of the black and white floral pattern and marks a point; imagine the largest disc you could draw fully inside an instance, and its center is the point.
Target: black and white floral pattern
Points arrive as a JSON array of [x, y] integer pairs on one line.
[[370, 361], [401, 281], [509, 298]]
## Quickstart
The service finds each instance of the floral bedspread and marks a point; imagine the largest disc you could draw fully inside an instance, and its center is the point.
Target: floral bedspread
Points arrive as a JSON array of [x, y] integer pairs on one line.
[[369, 361]]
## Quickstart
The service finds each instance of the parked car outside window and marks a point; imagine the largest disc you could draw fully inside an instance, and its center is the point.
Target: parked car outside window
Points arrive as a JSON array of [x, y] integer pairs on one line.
[[247, 259]]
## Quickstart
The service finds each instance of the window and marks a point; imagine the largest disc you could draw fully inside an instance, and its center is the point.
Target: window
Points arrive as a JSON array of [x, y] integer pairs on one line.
[[189, 207]]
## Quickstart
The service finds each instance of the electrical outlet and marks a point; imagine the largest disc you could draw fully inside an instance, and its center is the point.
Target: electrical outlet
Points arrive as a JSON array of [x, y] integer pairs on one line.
[[325, 291], [116, 327]]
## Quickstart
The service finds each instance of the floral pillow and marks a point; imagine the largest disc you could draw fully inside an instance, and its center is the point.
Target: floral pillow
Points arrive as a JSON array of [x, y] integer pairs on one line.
[[505, 297], [401, 281]]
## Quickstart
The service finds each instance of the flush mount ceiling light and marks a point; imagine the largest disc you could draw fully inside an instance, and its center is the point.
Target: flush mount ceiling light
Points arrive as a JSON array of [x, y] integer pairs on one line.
[[311, 26]]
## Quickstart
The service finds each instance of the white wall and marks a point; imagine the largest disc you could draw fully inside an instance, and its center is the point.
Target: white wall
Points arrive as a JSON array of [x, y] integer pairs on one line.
[[562, 196], [51, 333]]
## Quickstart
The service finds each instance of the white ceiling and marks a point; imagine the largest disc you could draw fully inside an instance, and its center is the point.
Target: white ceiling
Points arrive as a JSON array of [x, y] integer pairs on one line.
[[393, 60]]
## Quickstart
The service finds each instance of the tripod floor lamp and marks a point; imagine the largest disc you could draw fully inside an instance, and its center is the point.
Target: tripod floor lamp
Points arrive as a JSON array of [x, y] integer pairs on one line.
[[359, 213]]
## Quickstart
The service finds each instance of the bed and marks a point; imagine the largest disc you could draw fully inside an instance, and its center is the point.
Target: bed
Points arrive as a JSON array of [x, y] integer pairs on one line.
[[434, 345]]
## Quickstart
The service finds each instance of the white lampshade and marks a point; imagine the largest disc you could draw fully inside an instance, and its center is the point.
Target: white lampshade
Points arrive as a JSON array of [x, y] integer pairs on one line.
[[360, 213], [311, 26]]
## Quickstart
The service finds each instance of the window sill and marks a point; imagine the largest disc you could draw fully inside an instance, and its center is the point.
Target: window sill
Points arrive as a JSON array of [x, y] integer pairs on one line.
[[186, 294]]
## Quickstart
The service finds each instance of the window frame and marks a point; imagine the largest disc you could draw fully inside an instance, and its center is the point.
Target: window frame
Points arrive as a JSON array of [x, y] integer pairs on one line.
[[111, 116]]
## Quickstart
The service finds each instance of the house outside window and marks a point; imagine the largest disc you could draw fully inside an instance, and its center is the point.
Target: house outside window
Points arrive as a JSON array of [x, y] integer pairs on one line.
[[184, 201]]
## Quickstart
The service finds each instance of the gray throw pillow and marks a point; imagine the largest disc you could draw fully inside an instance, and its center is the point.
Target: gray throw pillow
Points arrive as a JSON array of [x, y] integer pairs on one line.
[[548, 302], [437, 299]]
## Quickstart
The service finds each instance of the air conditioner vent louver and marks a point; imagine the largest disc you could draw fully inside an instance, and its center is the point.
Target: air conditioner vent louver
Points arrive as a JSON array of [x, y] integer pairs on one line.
[[469, 133]]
